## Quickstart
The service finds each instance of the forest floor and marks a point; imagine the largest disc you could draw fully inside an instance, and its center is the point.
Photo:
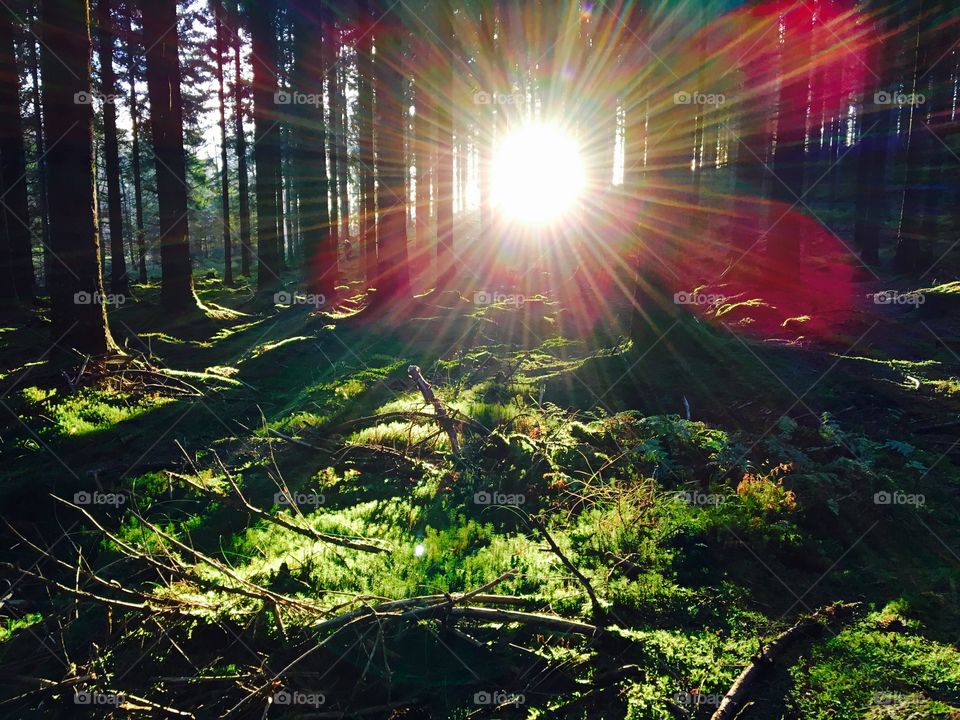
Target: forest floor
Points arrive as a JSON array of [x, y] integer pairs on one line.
[[640, 516]]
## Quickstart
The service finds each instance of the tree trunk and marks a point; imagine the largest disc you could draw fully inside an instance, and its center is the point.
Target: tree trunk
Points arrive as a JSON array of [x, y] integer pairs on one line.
[[77, 305], [393, 276], [243, 192], [319, 252], [365, 67], [119, 282], [871, 197], [13, 173], [135, 153], [334, 179], [34, 64], [161, 40], [266, 148], [224, 166], [343, 160], [924, 151], [421, 147], [791, 129], [446, 264]]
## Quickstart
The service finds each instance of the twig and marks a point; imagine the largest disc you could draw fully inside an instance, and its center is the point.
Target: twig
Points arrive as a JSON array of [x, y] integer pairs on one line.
[[598, 613], [429, 397]]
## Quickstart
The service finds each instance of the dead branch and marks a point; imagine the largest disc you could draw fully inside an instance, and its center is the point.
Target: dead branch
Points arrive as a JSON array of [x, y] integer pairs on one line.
[[246, 589], [238, 500], [768, 655], [598, 613], [446, 423], [293, 440], [176, 608], [551, 622]]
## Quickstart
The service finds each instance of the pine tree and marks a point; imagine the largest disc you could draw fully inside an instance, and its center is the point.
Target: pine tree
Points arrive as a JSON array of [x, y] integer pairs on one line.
[[161, 39], [77, 304]]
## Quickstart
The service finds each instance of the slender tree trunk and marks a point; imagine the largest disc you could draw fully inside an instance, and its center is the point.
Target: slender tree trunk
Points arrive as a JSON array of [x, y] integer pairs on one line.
[[343, 160], [421, 147], [76, 284], [446, 264], [119, 282], [34, 64], [289, 226], [243, 192], [224, 166], [13, 172], [334, 179], [924, 151], [166, 123], [393, 276], [135, 153], [365, 69], [266, 148], [278, 184]]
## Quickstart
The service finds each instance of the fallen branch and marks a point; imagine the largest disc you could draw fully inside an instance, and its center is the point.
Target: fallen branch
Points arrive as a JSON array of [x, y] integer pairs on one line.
[[239, 501], [768, 655], [553, 622], [598, 613], [448, 425]]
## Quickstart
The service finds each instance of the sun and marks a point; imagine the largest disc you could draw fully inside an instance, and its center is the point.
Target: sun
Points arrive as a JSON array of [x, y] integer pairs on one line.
[[538, 175]]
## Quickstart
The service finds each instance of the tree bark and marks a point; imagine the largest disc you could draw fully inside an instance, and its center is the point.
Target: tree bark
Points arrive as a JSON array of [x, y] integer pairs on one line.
[[13, 174], [135, 153], [446, 263], [924, 152], [365, 66], [34, 64], [76, 283], [160, 38], [343, 160], [224, 166], [393, 276], [119, 282], [332, 48], [266, 148], [310, 57], [243, 191]]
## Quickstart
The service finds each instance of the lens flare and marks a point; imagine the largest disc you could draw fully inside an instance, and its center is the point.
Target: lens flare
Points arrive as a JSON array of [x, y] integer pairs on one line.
[[538, 175]]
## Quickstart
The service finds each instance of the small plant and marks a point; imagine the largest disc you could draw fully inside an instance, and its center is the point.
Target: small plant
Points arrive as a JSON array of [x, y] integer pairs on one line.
[[766, 494]]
